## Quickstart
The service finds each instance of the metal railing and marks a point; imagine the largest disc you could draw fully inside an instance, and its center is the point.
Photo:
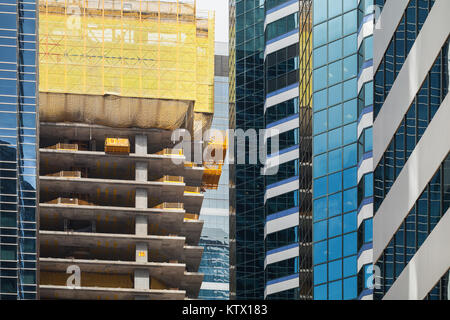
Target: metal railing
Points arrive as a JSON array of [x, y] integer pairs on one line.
[[170, 205], [170, 152], [66, 174], [70, 201], [173, 179], [191, 216], [190, 189], [64, 146]]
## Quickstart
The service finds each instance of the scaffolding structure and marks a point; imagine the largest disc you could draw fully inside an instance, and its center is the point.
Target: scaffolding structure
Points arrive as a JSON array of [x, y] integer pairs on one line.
[[144, 49], [117, 200]]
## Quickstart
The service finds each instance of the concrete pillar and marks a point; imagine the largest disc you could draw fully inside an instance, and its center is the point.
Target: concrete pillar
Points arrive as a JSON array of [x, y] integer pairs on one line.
[[140, 145], [141, 171], [141, 276], [141, 252], [141, 225], [141, 199], [141, 279], [93, 145]]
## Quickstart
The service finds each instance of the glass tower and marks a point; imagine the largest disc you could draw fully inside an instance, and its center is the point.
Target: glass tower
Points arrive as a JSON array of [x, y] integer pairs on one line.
[[335, 156], [366, 17], [287, 189], [18, 113], [271, 203], [215, 209], [410, 153], [246, 181]]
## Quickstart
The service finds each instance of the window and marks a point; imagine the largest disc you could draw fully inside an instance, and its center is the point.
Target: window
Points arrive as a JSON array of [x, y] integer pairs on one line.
[[335, 73], [335, 290], [335, 226], [8, 285], [350, 22], [335, 182], [335, 29], [335, 248], [320, 209], [350, 222], [320, 274], [282, 26], [320, 35], [320, 253], [8, 252], [335, 204], [350, 288], [334, 51], [8, 120], [334, 8], [320, 122], [320, 143], [8, 186], [335, 138], [335, 116], [320, 78], [320, 187], [320, 230], [320, 11], [350, 110], [8, 21], [335, 160], [335, 94], [335, 270]]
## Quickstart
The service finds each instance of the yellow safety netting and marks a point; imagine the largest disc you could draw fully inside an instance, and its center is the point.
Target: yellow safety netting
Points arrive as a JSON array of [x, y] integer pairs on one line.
[[148, 49]]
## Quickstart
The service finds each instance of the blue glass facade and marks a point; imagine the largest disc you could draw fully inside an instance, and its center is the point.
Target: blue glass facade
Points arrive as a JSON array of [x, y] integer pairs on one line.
[[18, 109], [246, 181], [271, 212], [366, 16], [282, 189], [215, 209], [335, 149], [288, 112]]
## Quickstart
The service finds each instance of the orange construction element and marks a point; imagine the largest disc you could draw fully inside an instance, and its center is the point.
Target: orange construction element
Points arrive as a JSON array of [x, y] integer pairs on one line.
[[211, 176], [117, 145], [216, 150]]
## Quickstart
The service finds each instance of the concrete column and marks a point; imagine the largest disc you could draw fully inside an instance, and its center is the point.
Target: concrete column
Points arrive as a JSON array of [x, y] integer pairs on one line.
[[141, 252], [141, 279], [141, 172], [141, 276], [93, 145], [141, 225], [141, 198], [140, 145]]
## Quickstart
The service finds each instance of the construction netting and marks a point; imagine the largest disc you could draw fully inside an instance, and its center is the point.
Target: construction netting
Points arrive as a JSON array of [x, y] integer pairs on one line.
[[144, 49], [116, 111]]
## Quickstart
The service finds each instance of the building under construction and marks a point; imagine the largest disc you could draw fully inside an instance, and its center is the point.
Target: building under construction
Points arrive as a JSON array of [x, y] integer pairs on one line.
[[118, 200]]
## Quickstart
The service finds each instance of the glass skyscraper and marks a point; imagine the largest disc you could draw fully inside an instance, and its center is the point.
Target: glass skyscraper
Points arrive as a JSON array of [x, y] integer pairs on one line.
[[287, 188], [215, 209], [18, 113], [380, 150], [335, 149], [271, 203], [246, 181], [366, 18], [411, 150]]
